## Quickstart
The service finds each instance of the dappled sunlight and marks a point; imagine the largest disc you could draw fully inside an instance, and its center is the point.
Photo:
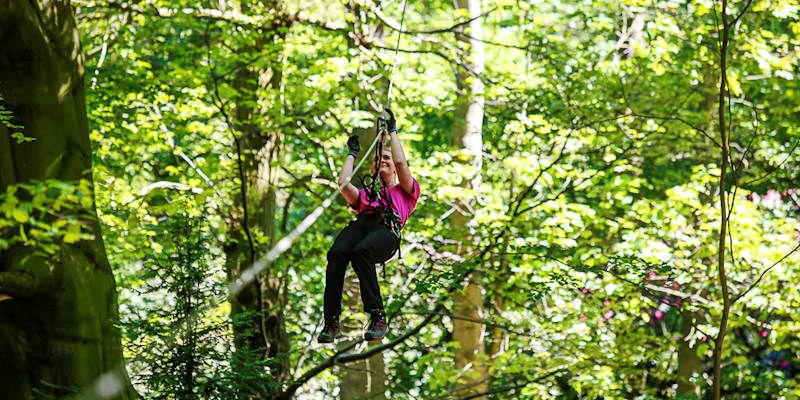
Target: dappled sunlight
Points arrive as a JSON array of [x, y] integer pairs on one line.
[[399, 199]]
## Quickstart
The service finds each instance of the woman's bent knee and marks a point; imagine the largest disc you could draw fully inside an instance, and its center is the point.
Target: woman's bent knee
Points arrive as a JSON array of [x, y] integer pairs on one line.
[[337, 256]]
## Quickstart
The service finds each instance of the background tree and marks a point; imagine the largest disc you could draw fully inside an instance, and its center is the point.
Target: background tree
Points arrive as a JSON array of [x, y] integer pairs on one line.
[[58, 320]]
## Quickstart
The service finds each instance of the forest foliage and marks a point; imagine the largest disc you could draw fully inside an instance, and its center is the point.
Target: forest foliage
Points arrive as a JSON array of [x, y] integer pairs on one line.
[[597, 220]]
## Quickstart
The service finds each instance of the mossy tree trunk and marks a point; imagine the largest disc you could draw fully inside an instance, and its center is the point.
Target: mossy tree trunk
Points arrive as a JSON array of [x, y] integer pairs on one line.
[[57, 330]]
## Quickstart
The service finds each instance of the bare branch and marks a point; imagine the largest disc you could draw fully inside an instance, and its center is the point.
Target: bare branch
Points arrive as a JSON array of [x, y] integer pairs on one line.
[[394, 25], [764, 272], [741, 13], [681, 120], [778, 167]]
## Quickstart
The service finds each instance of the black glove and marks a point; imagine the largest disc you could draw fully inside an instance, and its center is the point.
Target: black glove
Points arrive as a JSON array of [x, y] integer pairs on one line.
[[391, 125], [354, 146]]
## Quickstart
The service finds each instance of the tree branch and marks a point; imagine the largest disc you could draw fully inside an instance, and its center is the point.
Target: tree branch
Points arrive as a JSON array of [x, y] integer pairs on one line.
[[232, 17], [763, 273], [437, 53], [394, 25], [516, 386], [340, 358], [724, 136], [741, 13]]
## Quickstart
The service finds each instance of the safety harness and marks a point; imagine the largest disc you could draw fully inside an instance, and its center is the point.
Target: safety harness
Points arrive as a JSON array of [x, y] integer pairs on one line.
[[377, 192]]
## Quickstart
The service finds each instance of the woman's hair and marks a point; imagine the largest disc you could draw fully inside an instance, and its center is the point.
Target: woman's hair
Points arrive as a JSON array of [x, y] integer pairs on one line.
[[376, 160]]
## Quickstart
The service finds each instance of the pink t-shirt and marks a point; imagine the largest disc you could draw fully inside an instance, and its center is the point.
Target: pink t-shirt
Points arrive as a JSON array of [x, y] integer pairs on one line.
[[402, 202]]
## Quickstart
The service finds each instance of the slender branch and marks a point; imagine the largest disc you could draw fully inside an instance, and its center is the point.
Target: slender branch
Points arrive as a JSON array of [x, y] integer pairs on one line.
[[681, 120], [394, 25], [493, 43], [778, 167], [741, 13], [691, 297], [723, 227], [220, 103], [482, 321], [439, 54], [171, 143], [515, 386], [763, 273]]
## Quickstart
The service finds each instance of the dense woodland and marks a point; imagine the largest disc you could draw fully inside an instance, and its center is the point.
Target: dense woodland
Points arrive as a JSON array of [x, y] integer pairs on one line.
[[610, 196]]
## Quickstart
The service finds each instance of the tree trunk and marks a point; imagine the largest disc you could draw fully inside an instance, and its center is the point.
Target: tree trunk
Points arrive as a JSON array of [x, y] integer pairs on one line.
[[466, 136], [57, 332], [362, 379], [497, 335], [354, 376], [257, 310]]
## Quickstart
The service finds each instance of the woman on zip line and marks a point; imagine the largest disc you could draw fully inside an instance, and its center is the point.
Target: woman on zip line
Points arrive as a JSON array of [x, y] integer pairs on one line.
[[374, 236]]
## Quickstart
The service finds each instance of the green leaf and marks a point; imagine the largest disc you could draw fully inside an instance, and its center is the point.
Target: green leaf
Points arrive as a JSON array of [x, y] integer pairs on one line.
[[73, 234], [20, 215], [702, 349], [20, 138]]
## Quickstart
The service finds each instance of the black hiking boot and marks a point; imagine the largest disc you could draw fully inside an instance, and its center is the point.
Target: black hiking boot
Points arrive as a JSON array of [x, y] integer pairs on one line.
[[329, 331], [376, 329]]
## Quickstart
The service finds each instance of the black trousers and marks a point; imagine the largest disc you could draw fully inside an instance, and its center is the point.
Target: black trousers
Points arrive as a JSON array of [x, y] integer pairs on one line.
[[364, 242]]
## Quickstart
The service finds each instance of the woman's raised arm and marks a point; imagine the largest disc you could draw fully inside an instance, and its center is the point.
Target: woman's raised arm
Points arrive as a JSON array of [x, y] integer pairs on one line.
[[349, 191], [404, 177]]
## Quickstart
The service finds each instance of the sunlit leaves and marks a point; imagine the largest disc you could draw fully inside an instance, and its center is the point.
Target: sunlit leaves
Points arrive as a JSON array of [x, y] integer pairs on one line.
[[42, 215]]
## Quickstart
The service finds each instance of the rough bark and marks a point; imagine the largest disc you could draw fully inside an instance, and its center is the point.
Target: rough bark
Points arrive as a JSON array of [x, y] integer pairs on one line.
[[467, 137], [57, 332]]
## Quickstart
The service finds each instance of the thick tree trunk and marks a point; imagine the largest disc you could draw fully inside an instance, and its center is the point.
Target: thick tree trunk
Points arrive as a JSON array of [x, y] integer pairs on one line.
[[467, 137], [257, 311], [57, 332]]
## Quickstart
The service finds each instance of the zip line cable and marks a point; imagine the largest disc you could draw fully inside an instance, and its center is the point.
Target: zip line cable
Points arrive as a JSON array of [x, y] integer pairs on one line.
[[396, 49], [249, 275]]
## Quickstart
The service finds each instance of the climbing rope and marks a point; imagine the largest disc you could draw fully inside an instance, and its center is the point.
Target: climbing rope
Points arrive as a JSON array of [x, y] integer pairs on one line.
[[373, 185], [249, 275]]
